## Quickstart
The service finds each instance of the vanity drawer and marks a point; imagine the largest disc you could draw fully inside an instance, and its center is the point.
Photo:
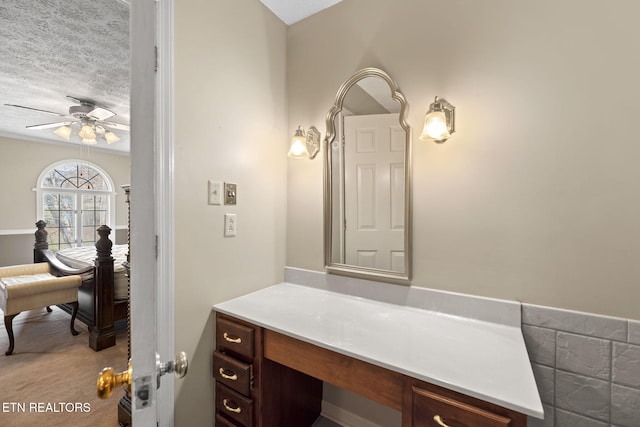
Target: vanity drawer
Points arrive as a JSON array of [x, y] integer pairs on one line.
[[234, 337], [223, 422], [434, 410], [232, 373], [234, 405]]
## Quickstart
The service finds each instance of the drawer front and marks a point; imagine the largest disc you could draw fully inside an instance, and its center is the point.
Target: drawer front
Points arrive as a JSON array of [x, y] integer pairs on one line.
[[234, 406], [234, 337], [232, 373], [224, 422], [434, 410]]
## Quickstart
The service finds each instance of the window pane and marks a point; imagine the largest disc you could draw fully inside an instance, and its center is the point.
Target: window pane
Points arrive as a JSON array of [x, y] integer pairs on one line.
[[67, 202], [88, 235], [50, 201], [88, 219], [66, 237], [101, 202], [99, 183], [53, 238], [88, 202], [101, 218], [51, 218], [94, 201]]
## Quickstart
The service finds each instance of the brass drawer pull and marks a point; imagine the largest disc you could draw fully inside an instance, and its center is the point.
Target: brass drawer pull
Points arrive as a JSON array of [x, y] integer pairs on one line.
[[233, 340], [237, 409], [227, 377], [438, 419]]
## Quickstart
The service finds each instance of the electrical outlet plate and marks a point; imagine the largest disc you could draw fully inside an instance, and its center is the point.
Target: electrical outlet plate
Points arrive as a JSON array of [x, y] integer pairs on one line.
[[215, 192], [230, 225]]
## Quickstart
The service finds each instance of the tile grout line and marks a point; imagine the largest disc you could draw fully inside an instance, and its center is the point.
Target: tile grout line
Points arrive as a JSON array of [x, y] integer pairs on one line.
[[555, 378], [611, 378]]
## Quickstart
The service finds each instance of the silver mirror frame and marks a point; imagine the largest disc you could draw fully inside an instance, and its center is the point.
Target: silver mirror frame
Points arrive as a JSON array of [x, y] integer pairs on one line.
[[352, 270]]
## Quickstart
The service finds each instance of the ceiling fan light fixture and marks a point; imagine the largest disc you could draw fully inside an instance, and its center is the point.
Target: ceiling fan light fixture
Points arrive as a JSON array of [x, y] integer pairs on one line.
[[63, 132], [111, 137], [87, 120]]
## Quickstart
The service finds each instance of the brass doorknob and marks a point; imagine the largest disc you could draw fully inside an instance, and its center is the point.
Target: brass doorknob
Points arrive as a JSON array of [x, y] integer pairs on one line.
[[108, 381]]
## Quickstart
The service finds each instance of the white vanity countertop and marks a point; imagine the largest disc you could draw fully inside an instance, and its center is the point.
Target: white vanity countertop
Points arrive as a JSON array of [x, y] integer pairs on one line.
[[477, 358]]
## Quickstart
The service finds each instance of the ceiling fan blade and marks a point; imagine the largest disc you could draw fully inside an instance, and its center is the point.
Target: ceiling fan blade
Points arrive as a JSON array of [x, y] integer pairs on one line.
[[78, 100], [36, 109], [99, 113], [49, 125], [118, 126]]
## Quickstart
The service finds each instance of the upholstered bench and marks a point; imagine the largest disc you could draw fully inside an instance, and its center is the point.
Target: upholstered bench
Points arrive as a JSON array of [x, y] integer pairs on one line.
[[32, 286]]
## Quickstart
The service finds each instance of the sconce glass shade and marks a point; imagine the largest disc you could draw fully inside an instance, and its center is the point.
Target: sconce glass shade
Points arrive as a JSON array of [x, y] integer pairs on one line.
[[435, 127], [298, 149], [439, 122], [89, 141], [111, 137], [302, 142], [63, 132], [87, 133]]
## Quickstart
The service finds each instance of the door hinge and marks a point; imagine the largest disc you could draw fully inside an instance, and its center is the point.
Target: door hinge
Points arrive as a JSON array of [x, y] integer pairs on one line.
[[157, 246], [156, 66]]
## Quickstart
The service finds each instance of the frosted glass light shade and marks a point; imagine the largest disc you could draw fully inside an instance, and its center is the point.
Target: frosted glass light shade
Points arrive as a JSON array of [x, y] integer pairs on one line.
[[439, 123], [89, 141], [298, 149], [111, 137], [435, 127], [87, 133], [63, 132]]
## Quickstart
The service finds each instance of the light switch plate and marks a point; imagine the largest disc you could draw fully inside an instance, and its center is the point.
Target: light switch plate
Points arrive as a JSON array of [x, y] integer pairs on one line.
[[215, 192], [229, 193]]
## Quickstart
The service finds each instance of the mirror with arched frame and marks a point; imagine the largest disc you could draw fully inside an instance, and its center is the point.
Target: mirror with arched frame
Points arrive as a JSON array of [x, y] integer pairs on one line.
[[367, 188]]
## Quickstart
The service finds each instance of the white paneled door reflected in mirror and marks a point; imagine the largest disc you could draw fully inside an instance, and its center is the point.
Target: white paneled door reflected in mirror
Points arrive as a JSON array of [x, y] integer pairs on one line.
[[367, 179]]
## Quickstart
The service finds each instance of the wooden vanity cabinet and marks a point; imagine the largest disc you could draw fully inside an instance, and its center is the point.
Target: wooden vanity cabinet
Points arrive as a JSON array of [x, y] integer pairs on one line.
[[267, 379]]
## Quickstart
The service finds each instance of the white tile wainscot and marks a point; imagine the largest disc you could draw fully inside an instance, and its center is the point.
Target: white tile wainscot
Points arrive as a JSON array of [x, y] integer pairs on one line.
[[587, 367], [467, 344]]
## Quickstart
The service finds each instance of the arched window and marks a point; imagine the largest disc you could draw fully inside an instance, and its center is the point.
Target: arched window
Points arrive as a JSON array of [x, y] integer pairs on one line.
[[74, 198]]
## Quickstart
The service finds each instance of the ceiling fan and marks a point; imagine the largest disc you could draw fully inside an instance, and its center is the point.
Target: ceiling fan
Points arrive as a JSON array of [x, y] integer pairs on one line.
[[89, 119]]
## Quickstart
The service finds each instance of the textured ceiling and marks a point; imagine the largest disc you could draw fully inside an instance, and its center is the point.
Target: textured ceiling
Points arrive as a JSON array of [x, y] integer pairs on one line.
[[53, 48]]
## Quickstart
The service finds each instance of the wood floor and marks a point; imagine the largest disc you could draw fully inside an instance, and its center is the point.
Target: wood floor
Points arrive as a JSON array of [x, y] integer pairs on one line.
[[50, 379], [323, 422]]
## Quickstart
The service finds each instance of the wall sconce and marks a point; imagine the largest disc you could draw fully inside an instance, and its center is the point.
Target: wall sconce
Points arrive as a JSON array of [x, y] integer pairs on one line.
[[301, 142], [439, 122]]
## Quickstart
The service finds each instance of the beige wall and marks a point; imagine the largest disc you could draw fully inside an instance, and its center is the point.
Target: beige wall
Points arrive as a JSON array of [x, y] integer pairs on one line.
[[230, 125], [21, 162], [536, 196]]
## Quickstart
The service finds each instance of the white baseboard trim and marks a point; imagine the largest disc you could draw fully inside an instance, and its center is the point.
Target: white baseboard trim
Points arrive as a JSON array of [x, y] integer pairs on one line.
[[344, 417]]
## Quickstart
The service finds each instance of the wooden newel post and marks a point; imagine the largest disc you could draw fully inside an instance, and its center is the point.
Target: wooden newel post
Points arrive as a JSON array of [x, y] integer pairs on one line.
[[41, 241], [102, 334]]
